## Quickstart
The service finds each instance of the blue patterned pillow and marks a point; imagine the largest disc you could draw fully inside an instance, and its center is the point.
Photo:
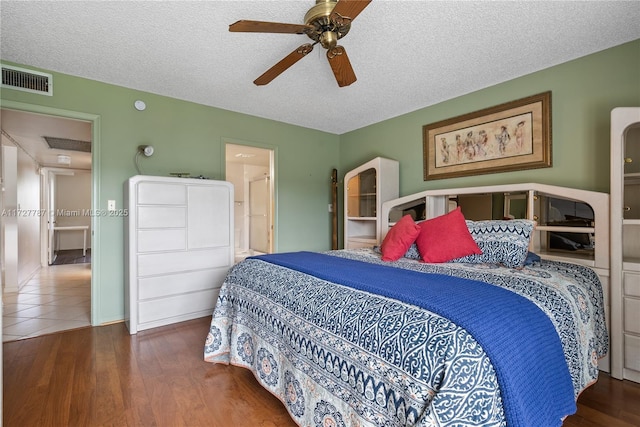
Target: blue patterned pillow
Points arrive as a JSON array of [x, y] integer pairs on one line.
[[501, 242], [531, 259], [412, 252]]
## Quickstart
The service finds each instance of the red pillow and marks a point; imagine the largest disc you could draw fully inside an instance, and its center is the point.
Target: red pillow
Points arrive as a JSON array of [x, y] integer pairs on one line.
[[399, 238], [445, 238]]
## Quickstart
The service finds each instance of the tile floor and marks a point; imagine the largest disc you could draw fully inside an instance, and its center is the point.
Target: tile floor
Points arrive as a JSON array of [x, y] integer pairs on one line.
[[55, 299]]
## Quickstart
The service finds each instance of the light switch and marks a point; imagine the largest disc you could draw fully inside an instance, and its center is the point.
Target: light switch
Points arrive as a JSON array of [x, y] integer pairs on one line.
[[111, 205]]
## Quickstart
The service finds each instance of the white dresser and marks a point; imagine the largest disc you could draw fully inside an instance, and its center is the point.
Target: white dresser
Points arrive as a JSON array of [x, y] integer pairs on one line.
[[178, 248]]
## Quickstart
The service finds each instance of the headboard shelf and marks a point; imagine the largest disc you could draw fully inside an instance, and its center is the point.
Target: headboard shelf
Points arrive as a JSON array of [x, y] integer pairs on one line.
[[566, 229]]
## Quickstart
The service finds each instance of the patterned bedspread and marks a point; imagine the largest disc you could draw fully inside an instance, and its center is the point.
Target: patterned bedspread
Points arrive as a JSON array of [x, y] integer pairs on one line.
[[394, 363]]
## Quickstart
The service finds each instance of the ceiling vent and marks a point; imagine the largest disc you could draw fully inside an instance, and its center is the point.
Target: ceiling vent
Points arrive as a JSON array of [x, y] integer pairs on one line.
[[68, 144], [27, 80]]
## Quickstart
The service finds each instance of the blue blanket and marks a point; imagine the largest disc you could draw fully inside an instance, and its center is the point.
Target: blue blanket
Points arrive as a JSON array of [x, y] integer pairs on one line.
[[532, 373]]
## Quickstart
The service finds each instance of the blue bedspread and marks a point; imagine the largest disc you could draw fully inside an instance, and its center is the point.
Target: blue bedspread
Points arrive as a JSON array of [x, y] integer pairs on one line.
[[338, 355], [534, 380]]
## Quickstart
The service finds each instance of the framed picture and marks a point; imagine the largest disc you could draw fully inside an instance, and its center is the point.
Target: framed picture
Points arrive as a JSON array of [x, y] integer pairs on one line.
[[507, 137]]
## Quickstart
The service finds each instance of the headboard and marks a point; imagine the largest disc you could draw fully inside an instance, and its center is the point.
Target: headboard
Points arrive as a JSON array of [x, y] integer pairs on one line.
[[531, 201]]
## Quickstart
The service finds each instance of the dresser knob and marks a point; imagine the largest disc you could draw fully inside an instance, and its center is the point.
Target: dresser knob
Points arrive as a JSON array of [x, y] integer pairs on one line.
[[535, 217], [627, 208], [628, 160]]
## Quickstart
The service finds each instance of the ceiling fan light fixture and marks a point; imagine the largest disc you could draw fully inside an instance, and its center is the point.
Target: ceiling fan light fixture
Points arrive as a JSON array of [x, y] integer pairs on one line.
[[329, 39], [325, 23]]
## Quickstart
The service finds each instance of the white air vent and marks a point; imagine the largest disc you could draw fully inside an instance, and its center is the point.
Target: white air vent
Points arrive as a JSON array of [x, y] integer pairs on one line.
[[27, 80]]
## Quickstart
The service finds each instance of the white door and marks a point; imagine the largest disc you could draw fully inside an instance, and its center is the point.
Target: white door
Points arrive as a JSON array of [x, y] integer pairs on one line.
[[51, 216], [9, 220], [2, 248], [259, 215]]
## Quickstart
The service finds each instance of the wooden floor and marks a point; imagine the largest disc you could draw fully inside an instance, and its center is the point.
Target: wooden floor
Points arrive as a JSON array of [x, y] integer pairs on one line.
[[105, 377]]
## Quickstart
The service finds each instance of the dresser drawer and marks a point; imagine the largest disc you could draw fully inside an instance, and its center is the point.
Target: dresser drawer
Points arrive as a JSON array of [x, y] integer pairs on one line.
[[160, 193], [632, 352], [156, 264], [178, 305], [162, 240], [631, 281], [162, 216], [172, 284], [632, 315]]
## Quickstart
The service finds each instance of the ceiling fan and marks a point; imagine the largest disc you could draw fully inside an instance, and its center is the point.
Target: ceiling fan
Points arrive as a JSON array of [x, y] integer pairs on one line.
[[325, 23]]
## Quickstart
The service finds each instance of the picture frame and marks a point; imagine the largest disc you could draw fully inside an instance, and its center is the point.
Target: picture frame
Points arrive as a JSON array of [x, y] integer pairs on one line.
[[508, 137]]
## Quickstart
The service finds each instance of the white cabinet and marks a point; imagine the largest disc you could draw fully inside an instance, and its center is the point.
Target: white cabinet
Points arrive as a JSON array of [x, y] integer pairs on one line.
[[366, 188], [625, 243], [178, 246]]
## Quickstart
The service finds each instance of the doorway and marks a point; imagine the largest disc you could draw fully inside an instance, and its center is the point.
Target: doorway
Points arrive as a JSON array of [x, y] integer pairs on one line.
[[45, 298], [251, 171], [66, 227]]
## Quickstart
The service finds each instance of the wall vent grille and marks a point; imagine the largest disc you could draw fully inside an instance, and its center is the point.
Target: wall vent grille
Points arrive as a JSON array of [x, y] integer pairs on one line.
[[27, 80]]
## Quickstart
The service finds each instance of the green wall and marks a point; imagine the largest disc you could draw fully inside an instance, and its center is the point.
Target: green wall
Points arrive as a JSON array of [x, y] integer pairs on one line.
[[187, 137], [583, 93]]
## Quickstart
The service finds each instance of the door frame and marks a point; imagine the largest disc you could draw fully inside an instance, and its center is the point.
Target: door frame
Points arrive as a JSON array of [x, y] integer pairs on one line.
[[94, 119]]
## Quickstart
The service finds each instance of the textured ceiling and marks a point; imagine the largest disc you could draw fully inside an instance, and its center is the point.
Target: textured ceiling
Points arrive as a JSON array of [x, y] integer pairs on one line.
[[406, 54]]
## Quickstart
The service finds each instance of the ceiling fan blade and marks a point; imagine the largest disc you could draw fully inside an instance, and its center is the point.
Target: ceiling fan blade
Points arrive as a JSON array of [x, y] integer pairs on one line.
[[268, 27], [285, 63], [341, 66], [348, 9]]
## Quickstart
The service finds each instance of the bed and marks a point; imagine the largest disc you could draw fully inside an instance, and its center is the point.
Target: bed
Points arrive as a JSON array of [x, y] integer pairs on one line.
[[349, 338]]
